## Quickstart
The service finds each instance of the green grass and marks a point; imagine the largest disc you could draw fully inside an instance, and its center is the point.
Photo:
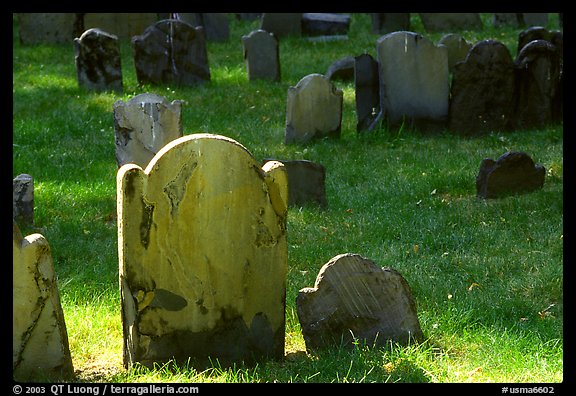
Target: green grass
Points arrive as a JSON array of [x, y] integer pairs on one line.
[[487, 276]]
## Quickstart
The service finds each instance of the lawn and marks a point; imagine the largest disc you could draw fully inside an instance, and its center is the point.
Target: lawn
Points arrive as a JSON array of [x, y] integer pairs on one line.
[[486, 275]]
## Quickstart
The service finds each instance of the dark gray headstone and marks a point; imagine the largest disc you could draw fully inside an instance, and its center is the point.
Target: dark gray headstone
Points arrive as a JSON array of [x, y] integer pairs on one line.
[[261, 55], [23, 200], [171, 52], [324, 24], [509, 19], [512, 173], [342, 69], [539, 33], [535, 18], [282, 24], [383, 23], [457, 48], [367, 91], [98, 62], [37, 28], [483, 90], [354, 299], [216, 24], [451, 21], [123, 25]]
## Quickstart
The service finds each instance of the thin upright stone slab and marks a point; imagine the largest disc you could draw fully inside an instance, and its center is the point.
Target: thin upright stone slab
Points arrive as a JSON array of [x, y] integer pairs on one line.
[[203, 254], [367, 92], [39, 337], [261, 55]]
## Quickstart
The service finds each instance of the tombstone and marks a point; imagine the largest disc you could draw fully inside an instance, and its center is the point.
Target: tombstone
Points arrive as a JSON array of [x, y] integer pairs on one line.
[[282, 24], [261, 56], [123, 25], [450, 21], [306, 182], [457, 48], [538, 33], [313, 110], [414, 81], [248, 16], [483, 90], [203, 255], [510, 19], [49, 28], [367, 92], [216, 25], [538, 68], [324, 24], [354, 299], [98, 64], [341, 69], [512, 173], [171, 52], [535, 19], [143, 125], [23, 200], [39, 338], [383, 23]]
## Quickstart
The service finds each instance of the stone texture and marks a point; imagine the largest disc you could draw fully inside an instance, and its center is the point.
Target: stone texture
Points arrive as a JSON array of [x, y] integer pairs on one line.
[[450, 21], [39, 337], [171, 52], [23, 200], [325, 24], [282, 24], [366, 91], [510, 19], [483, 90], [123, 25], [261, 56], [353, 298], [457, 48], [203, 254], [512, 173], [414, 81], [98, 63], [383, 23], [144, 125], [216, 24], [314, 110], [38, 28]]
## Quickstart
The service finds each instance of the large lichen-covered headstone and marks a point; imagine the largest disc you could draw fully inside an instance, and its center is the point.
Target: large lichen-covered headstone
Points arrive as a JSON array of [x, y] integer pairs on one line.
[[143, 125], [261, 55], [354, 299], [313, 110], [203, 254], [39, 337], [98, 64]]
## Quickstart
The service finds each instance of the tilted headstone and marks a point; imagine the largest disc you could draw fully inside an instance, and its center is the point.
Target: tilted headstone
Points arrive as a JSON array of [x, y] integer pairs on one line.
[[98, 63], [261, 55], [39, 338], [171, 52], [538, 68], [414, 81], [450, 21], [483, 90], [383, 23], [202, 254], [367, 92], [341, 69], [457, 48], [354, 299], [314, 110], [23, 200], [512, 173], [38, 28], [282, 24], [306, 182], [143, 125], [324, 24]]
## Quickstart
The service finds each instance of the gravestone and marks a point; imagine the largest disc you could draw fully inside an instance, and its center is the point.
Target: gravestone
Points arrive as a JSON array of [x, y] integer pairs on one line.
[[367, 92], [383, 23], [203, 254], [306, 182], [216, 24], [39, 337], [98, 64], [510, 19], [457, 48], [483, 90], [535, 19], [341, 69], [50, 28], [282, 24], [540, 33], [450, 21], [143, 125], [171, 52], [325, 24], [512, 173], [23, 200], [261, 56], [314, 110], [538, 68], [414, 81], [123, 25], [354, 299]]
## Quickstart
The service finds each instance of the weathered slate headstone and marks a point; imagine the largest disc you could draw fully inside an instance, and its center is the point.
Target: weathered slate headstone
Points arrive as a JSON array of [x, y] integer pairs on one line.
[[510, 19], [171, 52], [314, 110], [306, 182], [535, 18], [123, 25], [216, 24], [23, 200], [341, 69], [367, 91], [203, 254], [450, 21], [98, 64], [414, 81], [353, 298], [261, 55], [324, 24], [282, 24], [513, 173], [457, 48], [483, 90], [38, 28], [143, 125], [39, 337], [383, 23], [540, 33], [538, 68]]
